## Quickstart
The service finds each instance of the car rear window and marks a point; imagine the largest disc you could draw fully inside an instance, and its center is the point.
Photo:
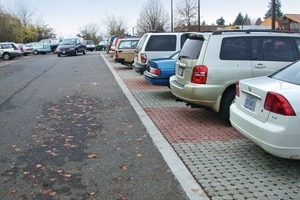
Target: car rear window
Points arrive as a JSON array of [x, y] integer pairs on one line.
[[290, 74], [161, 43], [128, 44], [191, 48]]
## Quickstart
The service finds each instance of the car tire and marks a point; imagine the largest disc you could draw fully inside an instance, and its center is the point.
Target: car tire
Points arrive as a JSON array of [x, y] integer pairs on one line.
[[58, 55], [227, 100], [76, 52], [6, 56], [35, 52], [84, 51]]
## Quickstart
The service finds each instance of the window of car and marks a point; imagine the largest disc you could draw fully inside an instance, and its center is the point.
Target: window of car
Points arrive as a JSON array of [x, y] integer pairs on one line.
[[289, 74], [128, 44], [183, 38], [235, 48], [141, 42], [161, 43], [7, 46], [277, 49], [191, 49]]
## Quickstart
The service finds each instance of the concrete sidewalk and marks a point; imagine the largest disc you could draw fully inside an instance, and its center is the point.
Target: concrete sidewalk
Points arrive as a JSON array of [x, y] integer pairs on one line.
[[209, 158]]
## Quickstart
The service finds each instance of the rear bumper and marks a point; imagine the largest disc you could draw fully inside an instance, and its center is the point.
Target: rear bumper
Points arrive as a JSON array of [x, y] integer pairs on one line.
[[280, 139], [155, 80], [139, 67]]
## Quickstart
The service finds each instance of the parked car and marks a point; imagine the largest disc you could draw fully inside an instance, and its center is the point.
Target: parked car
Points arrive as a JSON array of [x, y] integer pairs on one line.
[[36, 48], [267, 111], [110, 42], [209, 64], [159, 70], [156, 45], [112, 49], [125, 50], [52, 42], [90, 45], [71, 46], [9, 50], [21, 47], [101, 46]]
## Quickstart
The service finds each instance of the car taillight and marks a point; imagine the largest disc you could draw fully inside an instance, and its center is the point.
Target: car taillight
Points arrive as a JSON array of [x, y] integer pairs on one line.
[[237, 88], [143, 58], [278, 104], [154, 71], [199, 75]]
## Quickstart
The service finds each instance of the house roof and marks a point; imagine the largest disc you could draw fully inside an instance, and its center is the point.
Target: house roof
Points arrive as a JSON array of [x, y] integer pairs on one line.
[[293, 17]]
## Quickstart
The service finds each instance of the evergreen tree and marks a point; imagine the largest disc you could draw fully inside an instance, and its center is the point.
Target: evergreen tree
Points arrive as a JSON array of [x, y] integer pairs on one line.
[[220, 21], [246, 20], [258, 21], [278, 12], [239, 20]]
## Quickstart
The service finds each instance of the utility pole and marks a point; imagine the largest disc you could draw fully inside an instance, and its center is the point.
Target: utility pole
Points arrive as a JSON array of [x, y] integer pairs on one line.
[[172, 16], [273, 14], [198, 15]]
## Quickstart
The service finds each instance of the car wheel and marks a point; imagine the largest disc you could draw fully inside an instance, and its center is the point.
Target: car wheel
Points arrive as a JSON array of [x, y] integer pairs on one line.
[[6, 56], [227, 100], [76, 52], [35, 52], [58, 55], [84, 51]]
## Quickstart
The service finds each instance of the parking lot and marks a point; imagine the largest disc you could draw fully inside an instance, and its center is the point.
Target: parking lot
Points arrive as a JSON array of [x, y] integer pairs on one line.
[[225, 164]]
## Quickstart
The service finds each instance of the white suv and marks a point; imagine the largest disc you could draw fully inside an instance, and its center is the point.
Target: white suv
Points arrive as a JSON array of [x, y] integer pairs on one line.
[[9, 50], [156, 45], [209, 64]]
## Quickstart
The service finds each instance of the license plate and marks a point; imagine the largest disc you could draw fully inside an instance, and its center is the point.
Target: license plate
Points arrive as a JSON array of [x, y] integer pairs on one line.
[[63, 52], [250, 103], [180, 71]]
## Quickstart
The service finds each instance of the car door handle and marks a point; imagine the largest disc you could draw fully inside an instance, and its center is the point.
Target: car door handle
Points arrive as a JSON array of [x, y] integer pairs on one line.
[[120, 51], [259, 66]]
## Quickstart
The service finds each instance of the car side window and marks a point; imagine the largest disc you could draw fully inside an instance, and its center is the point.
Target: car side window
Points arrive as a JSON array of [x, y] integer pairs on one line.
[[298, 45], [161, 43], [235, 48], [277, 49]]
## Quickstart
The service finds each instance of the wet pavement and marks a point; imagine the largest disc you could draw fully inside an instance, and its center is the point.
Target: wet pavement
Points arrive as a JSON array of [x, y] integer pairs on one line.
[[224, 163]]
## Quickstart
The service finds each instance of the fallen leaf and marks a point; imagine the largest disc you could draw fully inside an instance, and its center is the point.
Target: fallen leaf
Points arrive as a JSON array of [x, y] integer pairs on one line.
[[38, 166], [93, 155], [91, 193], [13, 191], [124, 167]]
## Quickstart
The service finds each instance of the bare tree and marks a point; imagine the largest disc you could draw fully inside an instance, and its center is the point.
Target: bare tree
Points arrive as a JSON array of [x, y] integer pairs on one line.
[[24, 11], [186, 12], [115, 25], [89, 31], [153, 17]]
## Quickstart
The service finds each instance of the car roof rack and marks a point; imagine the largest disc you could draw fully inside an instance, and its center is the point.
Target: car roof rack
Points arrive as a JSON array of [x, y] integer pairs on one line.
[[248, 31]]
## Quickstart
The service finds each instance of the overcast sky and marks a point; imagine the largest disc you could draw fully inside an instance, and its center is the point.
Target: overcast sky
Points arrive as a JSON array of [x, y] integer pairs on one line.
[[67, 16]]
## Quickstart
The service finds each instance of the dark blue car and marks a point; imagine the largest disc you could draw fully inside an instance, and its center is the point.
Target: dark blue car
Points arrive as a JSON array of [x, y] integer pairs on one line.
[[159, 70]]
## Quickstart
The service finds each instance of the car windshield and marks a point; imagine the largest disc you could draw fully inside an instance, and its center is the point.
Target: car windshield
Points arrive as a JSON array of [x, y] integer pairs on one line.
[[290, 74], [69, 41], [89, 42]]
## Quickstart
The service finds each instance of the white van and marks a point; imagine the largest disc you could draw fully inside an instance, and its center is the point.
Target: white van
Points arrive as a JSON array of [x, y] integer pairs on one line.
[[156, 45]]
